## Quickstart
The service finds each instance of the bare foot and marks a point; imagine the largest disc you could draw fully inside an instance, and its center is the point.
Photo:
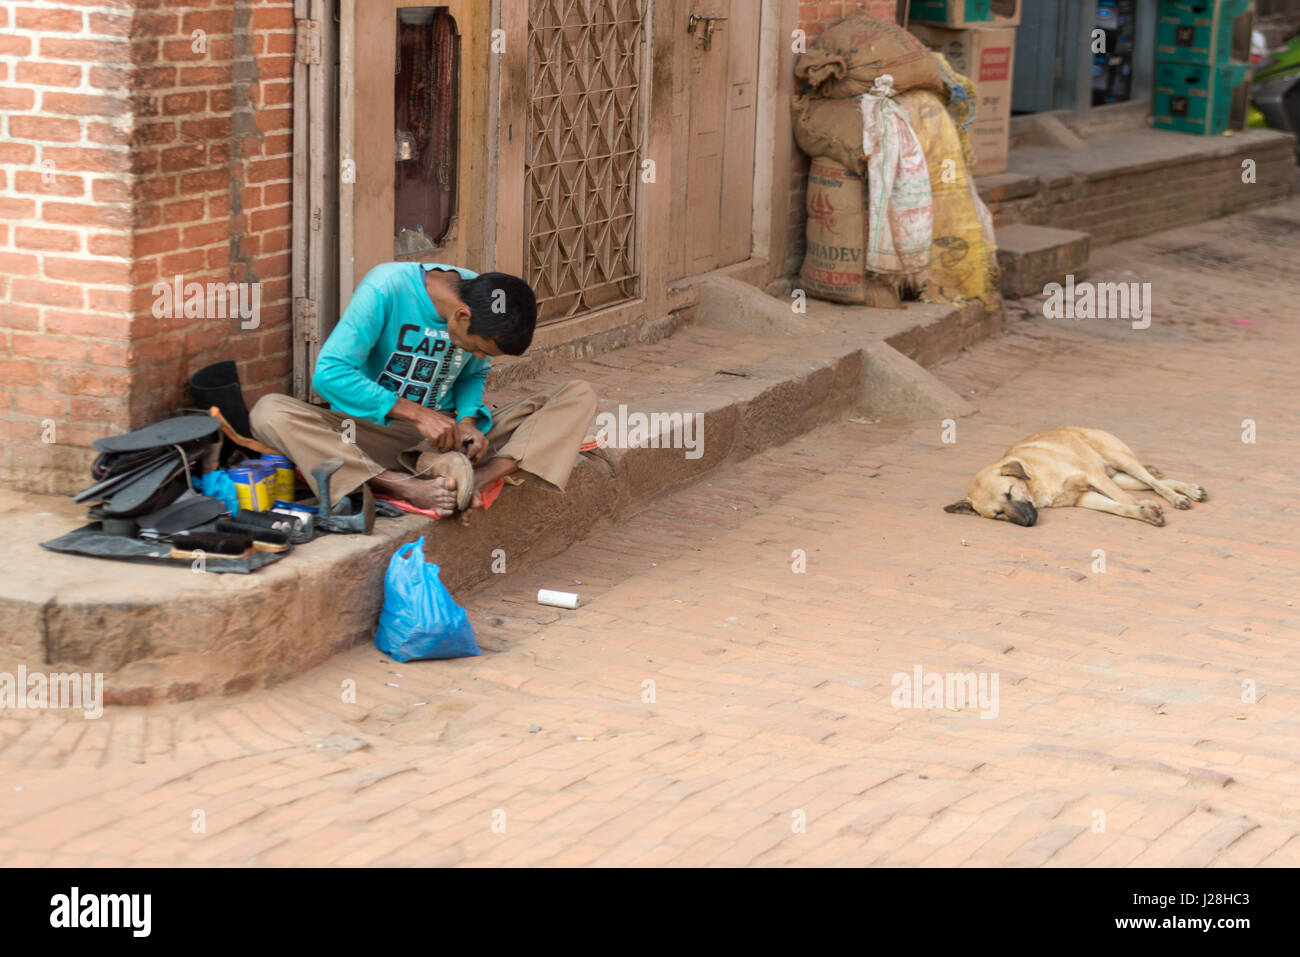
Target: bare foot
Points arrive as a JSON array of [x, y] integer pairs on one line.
[[438, 494]]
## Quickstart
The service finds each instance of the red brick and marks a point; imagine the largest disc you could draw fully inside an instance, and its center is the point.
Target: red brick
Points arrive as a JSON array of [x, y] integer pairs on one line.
[[103, 24], [184, 158], [70, 214], [107, 134], [194, 236], [155, 188], [187, 104], [270, 17], [60, 240], [272, 169], [109, 244], [14, 316], [159, 241], [86, 270], [111, 78], [43, 293], [20, 371], [205, 130], [155, 134], [16, 98], [11, 45], [84, 51], [48, 21], [44, 129], [184, 211], [15, 209], [51, 185], [186, 263], [100, 324], [45, 346], [204, 76], [108, 300], [18, 263], [204, 182], [214, 23], [86, 159], [19, 153]]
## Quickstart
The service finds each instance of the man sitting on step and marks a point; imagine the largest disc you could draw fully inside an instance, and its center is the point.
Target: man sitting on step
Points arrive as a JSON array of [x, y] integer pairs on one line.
[[403, 373]]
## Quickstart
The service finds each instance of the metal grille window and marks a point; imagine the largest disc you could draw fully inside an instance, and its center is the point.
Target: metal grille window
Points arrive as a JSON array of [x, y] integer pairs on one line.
[[585, 127]]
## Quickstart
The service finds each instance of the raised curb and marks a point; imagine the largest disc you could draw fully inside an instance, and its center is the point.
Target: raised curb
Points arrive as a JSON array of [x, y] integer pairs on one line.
[[162, 634]]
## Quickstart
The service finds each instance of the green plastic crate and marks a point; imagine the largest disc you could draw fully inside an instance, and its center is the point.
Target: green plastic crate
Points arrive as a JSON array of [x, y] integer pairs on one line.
[[1213, 32], [956, 13], [1195, 98]]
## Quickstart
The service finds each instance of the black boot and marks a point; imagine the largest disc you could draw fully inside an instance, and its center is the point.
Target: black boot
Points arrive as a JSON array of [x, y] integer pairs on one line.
[[218, 384]]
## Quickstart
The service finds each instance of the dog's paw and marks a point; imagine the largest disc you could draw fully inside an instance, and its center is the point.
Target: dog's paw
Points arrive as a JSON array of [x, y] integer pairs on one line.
[[1151, 513], [1196, 493], [1181, 501]]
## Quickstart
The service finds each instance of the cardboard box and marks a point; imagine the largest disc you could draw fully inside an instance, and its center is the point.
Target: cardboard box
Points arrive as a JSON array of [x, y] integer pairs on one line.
[[986, 56], [1196, 98], [1214, 32], [950, 13]]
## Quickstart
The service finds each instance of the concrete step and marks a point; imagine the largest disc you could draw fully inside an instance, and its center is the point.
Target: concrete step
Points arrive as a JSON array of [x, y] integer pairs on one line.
[[169, 634], [1129, 183], [1029, 257]]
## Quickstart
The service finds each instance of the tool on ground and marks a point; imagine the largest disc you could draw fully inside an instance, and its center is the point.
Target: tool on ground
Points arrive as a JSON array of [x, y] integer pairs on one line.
[[559, 599], [185, 544], [273, 536], [342, 516]]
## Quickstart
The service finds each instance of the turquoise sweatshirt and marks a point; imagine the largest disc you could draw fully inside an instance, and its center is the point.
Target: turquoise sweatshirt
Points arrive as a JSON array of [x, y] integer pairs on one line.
[[391, 343]]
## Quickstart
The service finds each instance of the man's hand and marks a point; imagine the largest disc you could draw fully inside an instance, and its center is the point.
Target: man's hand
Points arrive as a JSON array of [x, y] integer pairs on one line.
[[437, 428], [473, 442]]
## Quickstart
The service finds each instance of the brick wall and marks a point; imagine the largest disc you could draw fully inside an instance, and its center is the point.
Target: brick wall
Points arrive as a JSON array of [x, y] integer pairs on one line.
[[813, 19], [140, 140], [65, 236]]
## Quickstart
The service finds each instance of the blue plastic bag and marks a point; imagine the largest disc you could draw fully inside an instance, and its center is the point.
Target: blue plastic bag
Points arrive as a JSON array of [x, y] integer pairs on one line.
[[218, 485], [419, 618]]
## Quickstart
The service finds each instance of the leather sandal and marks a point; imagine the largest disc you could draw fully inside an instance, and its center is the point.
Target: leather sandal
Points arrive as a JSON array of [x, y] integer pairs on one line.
[[454, 465]]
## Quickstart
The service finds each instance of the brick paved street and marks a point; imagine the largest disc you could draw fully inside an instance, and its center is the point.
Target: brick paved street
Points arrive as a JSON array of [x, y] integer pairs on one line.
[[1121, 737]]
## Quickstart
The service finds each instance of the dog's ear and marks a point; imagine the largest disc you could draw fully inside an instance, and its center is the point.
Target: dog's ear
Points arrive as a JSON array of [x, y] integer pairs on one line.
[[1014, 469], [964, 507]]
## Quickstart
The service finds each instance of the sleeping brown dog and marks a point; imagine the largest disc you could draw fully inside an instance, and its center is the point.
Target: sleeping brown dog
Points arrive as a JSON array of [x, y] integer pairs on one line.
[[1071, 466]]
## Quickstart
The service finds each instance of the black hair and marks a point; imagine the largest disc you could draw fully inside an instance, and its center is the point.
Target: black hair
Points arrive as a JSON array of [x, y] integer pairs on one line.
[[502, 308]]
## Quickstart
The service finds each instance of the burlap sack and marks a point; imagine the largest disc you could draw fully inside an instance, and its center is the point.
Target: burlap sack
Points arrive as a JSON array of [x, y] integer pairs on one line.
[[836, 239], [844, 61], [830, 128], [833, 128], [963, 260]]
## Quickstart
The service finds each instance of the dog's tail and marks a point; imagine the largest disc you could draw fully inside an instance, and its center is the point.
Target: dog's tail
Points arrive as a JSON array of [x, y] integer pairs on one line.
[[1155, 471]]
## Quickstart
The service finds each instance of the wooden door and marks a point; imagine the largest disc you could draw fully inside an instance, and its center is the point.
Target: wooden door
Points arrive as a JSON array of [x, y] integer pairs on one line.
[[716, 91]]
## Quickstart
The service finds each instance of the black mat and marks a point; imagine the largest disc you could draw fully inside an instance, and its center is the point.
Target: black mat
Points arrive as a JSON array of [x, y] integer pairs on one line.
[[91, 541]]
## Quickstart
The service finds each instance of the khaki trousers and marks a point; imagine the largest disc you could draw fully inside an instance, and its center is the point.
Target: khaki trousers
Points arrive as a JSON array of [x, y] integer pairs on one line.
[[542, 432]]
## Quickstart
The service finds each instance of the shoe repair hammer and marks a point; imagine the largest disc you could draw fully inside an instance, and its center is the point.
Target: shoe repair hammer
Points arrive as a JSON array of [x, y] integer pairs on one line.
[[326, 519]]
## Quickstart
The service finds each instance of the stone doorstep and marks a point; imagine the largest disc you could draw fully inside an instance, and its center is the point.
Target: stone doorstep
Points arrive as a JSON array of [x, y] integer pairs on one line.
[[1029, 257], [162, 634]]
